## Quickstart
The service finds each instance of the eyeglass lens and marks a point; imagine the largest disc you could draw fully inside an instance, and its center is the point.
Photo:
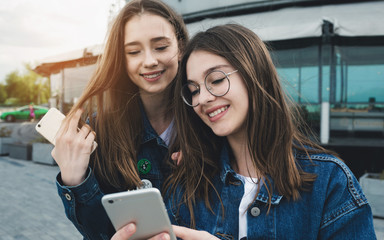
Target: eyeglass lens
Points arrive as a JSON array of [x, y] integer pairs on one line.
[[216, 82]]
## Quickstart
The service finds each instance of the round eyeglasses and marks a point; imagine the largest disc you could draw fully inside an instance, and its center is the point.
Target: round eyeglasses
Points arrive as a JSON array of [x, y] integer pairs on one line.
[[216, 82]]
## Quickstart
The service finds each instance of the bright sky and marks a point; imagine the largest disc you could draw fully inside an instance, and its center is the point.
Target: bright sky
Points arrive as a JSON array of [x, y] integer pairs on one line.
[[31, 30]]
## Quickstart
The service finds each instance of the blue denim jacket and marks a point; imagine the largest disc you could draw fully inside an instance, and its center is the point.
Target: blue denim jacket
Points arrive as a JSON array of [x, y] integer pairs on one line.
[[335, 208], [82, 203]]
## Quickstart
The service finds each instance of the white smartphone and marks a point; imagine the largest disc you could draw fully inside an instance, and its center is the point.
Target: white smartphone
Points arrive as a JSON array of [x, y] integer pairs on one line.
[[144, 207], [50, 124]]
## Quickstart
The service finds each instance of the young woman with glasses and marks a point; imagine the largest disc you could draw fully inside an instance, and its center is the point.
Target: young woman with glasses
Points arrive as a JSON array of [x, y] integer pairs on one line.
[[127, 103], [247, 171]]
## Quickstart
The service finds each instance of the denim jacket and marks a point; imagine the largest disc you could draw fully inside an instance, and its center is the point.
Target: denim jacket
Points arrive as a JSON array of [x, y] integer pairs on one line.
[[335, 207], [82, 203]]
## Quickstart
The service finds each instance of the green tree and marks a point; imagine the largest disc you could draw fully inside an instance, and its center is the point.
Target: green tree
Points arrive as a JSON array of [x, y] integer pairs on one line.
[[27, 87], [3, 93]]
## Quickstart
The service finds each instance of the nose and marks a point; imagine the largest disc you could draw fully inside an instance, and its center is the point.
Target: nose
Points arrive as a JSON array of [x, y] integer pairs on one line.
[[150, 59], [205, 96]]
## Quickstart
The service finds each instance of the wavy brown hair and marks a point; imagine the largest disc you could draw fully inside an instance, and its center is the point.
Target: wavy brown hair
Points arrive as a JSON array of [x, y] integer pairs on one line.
[[272, 123], [115, 99]]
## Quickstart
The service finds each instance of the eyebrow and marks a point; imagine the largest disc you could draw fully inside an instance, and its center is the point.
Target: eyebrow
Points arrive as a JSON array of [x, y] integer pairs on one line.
[[210, 70], [153, 40], [215, 68]]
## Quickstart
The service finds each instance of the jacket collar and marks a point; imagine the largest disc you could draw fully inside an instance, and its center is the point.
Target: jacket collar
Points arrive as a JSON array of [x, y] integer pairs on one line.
[[226, 171], [149, 133]]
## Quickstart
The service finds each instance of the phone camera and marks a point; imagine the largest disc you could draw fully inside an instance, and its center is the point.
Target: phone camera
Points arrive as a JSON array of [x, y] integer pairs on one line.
[[110, 201], [38, 125]]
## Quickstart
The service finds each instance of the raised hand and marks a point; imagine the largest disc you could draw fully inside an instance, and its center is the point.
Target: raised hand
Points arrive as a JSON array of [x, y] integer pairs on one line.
[[73, 150]]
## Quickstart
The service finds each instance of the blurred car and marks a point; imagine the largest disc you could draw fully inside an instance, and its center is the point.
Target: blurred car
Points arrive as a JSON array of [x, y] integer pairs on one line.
[[22, 113]]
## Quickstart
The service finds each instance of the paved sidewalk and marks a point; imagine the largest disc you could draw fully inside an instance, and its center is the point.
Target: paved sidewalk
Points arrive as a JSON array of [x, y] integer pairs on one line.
[[30, 208]]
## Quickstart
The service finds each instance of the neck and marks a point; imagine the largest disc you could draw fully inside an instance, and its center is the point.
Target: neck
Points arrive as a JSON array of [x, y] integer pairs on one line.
[[157, 111], [242, 163]]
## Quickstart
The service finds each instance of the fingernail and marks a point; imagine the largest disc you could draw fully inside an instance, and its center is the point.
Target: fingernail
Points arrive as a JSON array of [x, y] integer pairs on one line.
[[129, 228], [165, 237]]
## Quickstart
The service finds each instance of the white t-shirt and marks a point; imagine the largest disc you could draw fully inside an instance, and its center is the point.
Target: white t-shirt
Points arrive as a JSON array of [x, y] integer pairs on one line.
[[250, 189]]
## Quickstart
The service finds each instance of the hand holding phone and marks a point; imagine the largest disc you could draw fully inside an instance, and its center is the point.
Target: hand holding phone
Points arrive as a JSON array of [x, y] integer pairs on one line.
[[144, 207], [50, 124]]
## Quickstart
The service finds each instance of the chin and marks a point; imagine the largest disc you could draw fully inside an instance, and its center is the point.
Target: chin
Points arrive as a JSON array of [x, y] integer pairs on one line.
[[222, 133]]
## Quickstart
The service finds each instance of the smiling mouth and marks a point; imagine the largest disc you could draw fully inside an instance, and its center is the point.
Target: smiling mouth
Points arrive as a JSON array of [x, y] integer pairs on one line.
[[152, 75], [216, 112]]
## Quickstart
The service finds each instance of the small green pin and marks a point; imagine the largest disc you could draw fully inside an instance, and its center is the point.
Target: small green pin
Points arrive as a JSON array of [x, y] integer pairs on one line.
[[144, 166]]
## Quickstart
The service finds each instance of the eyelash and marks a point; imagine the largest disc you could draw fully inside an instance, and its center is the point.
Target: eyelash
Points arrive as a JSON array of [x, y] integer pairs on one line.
[[157, 49], [162, 48], [133, 53]]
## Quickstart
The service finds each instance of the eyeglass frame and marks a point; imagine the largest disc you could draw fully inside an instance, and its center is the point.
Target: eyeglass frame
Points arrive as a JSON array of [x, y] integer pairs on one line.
[[206, 87]]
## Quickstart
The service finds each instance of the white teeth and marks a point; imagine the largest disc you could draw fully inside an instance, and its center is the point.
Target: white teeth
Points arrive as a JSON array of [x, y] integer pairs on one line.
[[151, 75], [212, 114]]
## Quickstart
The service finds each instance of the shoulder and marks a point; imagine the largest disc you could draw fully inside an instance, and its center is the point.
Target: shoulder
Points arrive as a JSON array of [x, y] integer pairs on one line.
[[332, 170], [340, 190], [316, 162]]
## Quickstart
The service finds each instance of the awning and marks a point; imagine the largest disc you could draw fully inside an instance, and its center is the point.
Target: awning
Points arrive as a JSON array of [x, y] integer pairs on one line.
[[349, 20], [70, 59]]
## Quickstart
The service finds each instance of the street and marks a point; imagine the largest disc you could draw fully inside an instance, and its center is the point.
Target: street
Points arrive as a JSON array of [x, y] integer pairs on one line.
[[29, 205]]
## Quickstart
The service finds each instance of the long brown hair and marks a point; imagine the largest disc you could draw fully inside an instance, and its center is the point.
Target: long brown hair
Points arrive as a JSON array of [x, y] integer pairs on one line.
[[272, 122], [115, 99]]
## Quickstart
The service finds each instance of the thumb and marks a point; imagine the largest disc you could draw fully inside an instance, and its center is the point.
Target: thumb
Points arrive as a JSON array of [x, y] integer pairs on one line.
[[125, 232]]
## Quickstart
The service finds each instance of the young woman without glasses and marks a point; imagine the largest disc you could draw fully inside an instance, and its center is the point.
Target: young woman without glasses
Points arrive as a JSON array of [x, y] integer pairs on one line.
[[127, 103]]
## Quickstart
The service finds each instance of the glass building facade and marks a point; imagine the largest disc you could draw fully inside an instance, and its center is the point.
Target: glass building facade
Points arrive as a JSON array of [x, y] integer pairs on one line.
[[346, 72]]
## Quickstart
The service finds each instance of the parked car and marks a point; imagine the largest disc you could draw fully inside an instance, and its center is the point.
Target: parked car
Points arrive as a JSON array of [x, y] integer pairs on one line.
[[22, 113]]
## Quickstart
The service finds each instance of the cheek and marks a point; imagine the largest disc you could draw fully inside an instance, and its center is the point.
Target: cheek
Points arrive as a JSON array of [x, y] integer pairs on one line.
[[172, 61], [172, 66], [245, 108], [240, 101], [172, 57], [132, 66], [128, 65], [241, 94]]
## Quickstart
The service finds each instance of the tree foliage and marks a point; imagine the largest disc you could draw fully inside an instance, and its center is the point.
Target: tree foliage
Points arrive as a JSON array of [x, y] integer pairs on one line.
[[3, 93], [24, 88]]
